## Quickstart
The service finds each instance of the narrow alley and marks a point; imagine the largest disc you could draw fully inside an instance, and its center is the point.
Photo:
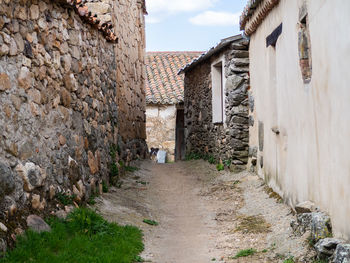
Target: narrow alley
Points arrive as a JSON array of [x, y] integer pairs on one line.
[[203, 215]]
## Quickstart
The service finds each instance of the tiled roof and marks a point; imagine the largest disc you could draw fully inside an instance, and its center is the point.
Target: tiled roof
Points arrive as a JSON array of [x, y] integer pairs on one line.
[[214, 50], [164, 85], [88, 17], [254, 13]]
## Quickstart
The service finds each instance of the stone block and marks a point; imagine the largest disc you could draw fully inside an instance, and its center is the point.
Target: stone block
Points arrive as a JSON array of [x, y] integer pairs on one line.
[[5, 83], [320, 226], [342, 254], [326, 247], [7, 181], [37, 224]]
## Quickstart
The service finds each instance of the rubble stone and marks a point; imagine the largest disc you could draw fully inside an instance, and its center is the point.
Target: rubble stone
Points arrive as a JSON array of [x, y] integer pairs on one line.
[[37, 224]]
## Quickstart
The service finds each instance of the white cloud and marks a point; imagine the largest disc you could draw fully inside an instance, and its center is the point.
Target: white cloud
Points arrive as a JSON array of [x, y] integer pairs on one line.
[[211, 18], [171, 6]]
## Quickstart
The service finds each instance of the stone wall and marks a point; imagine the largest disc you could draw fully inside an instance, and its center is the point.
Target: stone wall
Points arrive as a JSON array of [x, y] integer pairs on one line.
[[160, 127], [227, 141], [129, 21], [62, 103]]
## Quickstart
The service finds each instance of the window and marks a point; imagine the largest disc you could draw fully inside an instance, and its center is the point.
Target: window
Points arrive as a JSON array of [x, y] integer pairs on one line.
[[304, 46], [217, 93]]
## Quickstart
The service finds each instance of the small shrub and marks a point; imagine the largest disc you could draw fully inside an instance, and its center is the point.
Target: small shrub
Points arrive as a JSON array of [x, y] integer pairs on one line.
[[245, 253], [220, 167], [104, 187], [193, 156], [65, 199], [114, 171], [151, 222], [227, 163], [92, 200], [211, 159]]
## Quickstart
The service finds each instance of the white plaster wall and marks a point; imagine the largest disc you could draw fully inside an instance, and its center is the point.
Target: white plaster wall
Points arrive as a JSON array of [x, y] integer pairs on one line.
[[309, 159], [160, 128]]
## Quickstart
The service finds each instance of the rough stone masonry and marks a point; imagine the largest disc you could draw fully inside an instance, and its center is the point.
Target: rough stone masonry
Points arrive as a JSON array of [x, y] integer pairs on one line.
[[68, 91], [227, 141]]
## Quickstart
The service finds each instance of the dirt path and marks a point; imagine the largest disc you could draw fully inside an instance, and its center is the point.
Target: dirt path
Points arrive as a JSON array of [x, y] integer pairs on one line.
[[204, 215]]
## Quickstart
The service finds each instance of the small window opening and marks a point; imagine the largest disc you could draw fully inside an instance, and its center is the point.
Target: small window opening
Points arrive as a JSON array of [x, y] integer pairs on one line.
[[305, 49], [217, 94]]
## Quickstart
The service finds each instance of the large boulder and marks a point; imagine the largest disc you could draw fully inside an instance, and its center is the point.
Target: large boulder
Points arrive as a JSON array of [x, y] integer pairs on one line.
[[342, 254], [326, 247], [7, 181], [320, 226], [37, 224]]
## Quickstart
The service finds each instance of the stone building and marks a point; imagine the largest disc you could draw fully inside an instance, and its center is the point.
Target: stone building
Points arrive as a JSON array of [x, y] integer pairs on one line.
[[216, 102], [164, 96], [299, 60], [71, 86]]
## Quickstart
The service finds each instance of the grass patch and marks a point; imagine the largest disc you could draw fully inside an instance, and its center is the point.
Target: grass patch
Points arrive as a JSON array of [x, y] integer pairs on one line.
[[84, 237], [273, 194], [92, 200], [289, 260], [105, 187], [193, 156], [211, 159], [252, 224], [245, 253], [139, 259], [65, 199], [150, 222], [220, 167], [131, 169]]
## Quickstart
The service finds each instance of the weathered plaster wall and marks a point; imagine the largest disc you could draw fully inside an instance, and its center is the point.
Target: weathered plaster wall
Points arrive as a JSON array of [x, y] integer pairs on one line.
[[59, 111], [160, 127], [227, 141], [308, 160]]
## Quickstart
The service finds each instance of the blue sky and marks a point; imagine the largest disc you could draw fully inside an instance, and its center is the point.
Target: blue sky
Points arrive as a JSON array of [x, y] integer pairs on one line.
[[197, 25]]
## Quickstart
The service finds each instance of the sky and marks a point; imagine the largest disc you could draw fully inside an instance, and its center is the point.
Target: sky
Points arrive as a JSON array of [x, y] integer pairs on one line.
[[190, 25]]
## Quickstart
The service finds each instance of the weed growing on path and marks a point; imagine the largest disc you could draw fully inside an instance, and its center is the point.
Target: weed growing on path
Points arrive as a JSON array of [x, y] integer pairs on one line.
[[252, 224], [220, 167], [84, 237], [245, 253], [151, 222], [289, 260]]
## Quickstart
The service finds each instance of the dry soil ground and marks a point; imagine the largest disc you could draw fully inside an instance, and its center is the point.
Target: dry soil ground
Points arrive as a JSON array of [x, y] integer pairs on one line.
[[204, 215]]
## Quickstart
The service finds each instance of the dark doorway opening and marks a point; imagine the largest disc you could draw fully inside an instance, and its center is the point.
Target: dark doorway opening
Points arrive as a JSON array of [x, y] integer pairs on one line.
[[180, 135]]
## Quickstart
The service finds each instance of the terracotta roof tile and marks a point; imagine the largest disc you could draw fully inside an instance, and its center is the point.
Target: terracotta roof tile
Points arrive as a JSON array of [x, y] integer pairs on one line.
[[164, 85]]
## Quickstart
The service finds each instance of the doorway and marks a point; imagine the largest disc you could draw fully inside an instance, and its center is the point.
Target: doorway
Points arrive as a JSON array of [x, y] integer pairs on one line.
[[180, 135]]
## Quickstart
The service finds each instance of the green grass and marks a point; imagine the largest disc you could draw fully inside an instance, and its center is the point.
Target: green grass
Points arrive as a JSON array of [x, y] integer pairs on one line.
[[65, 199], [289, 260], [84, 237], [131, 169], [105, 187], [211, 159], [151, 222], [220, 167], [245, 253], [92, 200]]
